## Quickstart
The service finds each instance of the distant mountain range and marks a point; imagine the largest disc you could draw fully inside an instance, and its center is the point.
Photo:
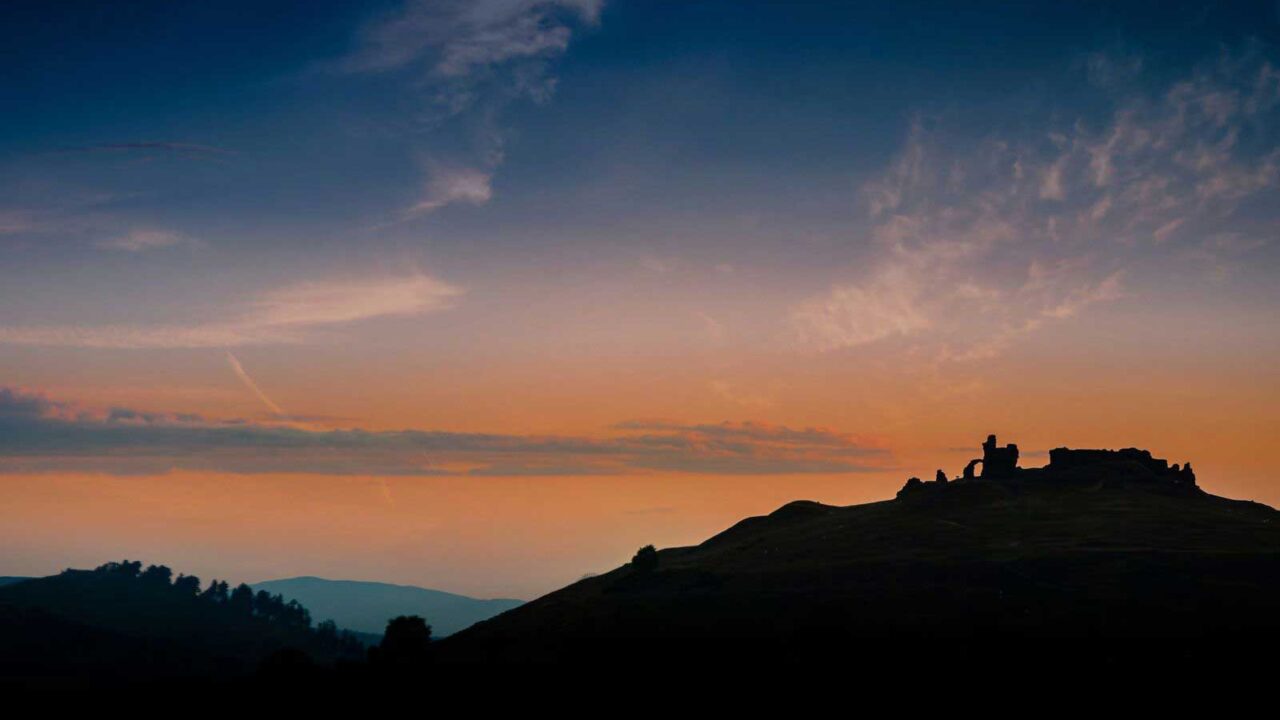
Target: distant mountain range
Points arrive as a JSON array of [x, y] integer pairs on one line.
[[365, 607], [10, 579]]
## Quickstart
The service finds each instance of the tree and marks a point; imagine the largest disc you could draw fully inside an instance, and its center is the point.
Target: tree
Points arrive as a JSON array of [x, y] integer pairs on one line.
[[187, 585], [406, 642], [217, 591], [297, 615], [265, 606], [241, 599], [124, 567], [157, 574], [646, 559]]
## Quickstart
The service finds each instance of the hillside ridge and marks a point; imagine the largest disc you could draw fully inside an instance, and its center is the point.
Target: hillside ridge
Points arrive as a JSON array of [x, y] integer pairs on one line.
[[1098, 544]]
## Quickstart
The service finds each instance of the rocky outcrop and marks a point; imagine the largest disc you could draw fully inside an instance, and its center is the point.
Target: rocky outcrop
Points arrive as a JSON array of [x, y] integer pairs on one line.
[[914, 485]]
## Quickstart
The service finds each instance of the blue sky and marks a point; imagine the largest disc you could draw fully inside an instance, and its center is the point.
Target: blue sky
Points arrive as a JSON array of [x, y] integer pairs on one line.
[[220, 150], [687, 109]]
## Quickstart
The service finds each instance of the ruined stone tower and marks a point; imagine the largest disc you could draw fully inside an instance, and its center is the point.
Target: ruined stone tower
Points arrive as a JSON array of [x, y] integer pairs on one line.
[[998, 461]]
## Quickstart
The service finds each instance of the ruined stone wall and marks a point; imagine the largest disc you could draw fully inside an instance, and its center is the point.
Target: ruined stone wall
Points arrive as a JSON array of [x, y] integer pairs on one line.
[[1141, 461]]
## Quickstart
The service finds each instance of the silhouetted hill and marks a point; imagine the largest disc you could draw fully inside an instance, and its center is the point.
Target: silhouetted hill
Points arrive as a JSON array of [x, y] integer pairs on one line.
[[10, 579], [1101, 559], [367, 606], [39, 649], [119, 622]]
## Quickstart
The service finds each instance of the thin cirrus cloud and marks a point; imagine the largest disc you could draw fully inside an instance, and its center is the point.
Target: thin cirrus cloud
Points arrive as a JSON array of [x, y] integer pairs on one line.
[[450, 185], [286, 315], [462, 38], [974, 248], [885, 305], [470, 59], [42, 435], [143, 240]]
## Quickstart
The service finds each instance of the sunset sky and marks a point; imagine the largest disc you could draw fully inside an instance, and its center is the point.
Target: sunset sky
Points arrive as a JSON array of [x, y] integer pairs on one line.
[[484, 295]]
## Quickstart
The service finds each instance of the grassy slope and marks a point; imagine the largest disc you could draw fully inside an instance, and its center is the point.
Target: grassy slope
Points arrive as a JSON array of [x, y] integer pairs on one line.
[[1040, 556]]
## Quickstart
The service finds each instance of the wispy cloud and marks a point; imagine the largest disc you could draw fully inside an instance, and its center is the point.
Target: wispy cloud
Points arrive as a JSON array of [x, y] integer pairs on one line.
[[885, 305], [974, 245], [463, 38], [469, 60], [450, 185], [38, 434], [342, 301], [285, 315], [142, 240]]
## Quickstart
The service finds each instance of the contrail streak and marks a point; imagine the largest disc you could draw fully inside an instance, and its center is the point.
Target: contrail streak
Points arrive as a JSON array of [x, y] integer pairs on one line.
[[249, 383]]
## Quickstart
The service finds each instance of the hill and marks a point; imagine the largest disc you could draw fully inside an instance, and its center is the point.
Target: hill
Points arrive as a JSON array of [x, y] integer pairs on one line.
[[119, 622], [1114, 559], [366, 607], [11, 579]]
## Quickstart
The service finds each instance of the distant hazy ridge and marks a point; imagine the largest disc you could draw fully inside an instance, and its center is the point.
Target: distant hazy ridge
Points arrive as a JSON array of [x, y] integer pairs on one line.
[[366, 606]]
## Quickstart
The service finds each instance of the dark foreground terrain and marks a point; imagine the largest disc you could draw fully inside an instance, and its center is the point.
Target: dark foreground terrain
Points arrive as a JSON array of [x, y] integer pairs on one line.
[[119, 624], [1099, 560], [1100, 565]]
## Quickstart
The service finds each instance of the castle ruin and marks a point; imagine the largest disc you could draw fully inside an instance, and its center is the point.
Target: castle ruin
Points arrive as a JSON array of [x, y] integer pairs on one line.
[[996, 461], [1065, 464]]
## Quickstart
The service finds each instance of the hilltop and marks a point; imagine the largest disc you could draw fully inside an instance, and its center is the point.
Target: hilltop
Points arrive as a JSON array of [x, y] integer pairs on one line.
[[1101, 556]]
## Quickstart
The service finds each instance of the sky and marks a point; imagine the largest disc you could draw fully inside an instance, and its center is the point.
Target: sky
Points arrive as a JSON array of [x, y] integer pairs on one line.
[[484, 295]]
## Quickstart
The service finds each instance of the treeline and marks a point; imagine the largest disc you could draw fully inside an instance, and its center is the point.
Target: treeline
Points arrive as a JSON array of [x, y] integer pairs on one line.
[[240, 602], [123, 622], [242, 599]]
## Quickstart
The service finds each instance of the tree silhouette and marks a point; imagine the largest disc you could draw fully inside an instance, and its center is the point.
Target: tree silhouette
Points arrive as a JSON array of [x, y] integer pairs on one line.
[[151, 602], [406, 643], [187, 585], [646, 559], [241, 600], [298, 616], [265, 606], [124, 567], [157, 574], [217, 592]]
